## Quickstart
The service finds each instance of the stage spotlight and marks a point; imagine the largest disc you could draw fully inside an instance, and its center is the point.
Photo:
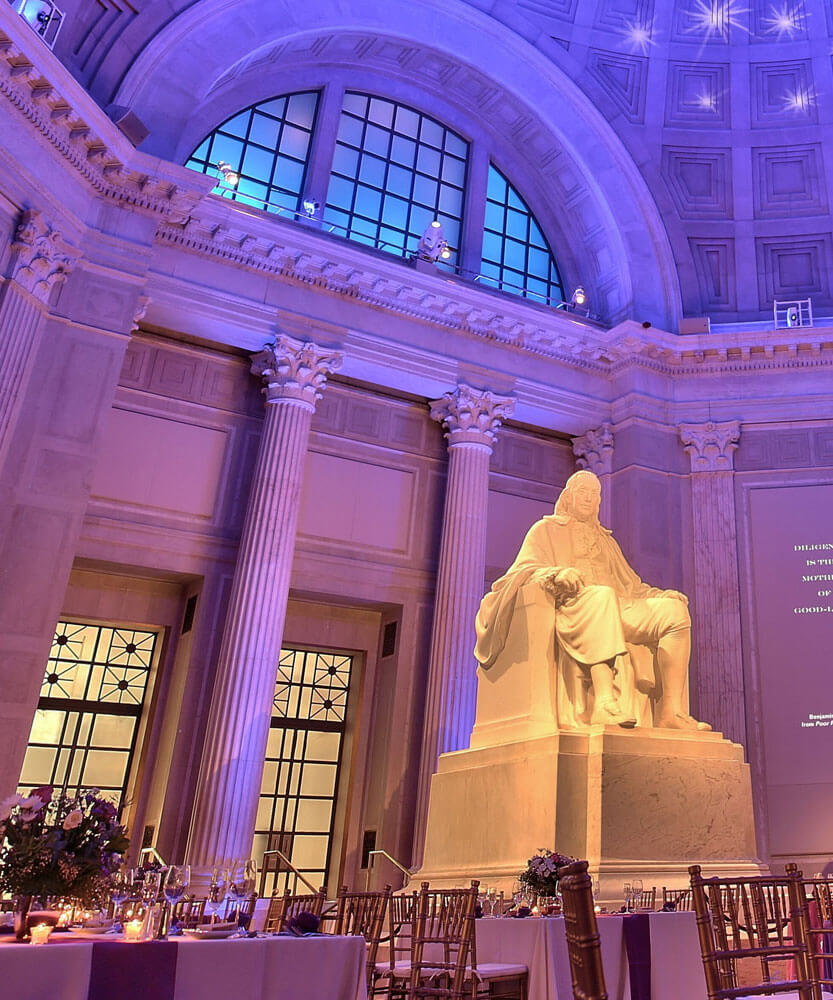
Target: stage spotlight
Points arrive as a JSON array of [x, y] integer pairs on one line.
[[432, 244]]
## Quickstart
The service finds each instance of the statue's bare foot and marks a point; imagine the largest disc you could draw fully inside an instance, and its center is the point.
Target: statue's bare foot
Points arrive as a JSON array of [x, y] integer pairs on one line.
[[684, 722], [609, 713]]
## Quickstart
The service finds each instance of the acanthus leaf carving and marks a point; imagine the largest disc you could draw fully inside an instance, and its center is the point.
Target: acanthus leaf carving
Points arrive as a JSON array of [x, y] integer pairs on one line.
[[294, 370], [472, 416], [711, 446], [41, 256], [594, 450]]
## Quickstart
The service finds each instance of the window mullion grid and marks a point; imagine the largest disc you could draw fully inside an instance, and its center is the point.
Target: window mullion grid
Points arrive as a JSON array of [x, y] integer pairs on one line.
[[473, 223]]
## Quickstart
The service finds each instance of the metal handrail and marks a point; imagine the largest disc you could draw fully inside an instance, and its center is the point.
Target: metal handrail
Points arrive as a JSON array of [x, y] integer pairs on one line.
[[154, 854], [397, 864], [289, 864]]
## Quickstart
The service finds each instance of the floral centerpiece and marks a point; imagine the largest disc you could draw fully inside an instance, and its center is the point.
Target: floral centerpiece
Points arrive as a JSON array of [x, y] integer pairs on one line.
[[64, 845], [541, 873]]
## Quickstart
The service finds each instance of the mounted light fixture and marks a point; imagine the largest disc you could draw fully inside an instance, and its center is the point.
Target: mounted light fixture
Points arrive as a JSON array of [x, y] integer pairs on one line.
[[790, 313], [579, 297], [230, 175], [432, 244], [311, 207], [42, 16]]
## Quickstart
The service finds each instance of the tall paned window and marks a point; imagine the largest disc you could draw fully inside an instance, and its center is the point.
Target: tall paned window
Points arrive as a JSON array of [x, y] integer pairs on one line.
[[299, 789], [395, 170], [516, 256], [91, 700], [267, 147]]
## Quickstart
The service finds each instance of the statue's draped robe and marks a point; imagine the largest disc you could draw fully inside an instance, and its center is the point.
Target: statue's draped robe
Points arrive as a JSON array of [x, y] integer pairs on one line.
[[589, 628]]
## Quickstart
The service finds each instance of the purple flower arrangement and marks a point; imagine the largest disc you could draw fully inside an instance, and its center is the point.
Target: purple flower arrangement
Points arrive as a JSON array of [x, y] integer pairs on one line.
[[541, 873], [64, 845]]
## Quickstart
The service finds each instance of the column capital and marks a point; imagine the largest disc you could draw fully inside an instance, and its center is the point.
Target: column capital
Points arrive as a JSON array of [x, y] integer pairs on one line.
[[472, 416], [594, 450], [294, 370], [711, 446], [41, 257]]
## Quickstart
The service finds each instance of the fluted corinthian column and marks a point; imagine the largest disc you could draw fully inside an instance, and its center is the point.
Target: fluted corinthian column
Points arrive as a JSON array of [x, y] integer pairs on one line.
[[716, 599], [225, 806], [594, 451], [40, 259], [472, 418]]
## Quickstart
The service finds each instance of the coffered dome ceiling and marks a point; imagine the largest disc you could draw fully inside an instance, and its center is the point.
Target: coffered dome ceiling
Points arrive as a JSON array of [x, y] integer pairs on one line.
[[680, 146]]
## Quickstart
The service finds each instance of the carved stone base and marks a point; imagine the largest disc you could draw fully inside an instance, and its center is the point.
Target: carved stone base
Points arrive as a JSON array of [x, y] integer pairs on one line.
[[642, 803]]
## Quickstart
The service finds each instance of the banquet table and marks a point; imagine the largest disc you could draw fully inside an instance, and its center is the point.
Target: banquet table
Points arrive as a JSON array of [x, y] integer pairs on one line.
[[657, 957], [72, 967]]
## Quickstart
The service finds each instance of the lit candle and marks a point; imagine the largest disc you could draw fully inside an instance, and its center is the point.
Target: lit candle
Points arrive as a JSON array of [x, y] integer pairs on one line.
[[133, 931], [597, 908], [40, 933]]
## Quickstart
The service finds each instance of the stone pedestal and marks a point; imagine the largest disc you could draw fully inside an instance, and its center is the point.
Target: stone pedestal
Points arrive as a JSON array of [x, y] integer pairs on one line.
[[643, 803]]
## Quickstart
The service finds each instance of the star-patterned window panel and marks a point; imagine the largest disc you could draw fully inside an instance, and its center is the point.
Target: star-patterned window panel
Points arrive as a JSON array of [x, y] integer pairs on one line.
[[93, 691], [299, 788]]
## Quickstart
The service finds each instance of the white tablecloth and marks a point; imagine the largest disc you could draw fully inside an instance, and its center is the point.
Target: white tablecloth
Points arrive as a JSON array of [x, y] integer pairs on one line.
[[541, 945], [278, 968]]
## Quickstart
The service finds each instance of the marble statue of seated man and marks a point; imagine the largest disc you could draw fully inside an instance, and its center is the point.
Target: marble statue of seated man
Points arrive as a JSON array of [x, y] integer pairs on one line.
[[601, 606]]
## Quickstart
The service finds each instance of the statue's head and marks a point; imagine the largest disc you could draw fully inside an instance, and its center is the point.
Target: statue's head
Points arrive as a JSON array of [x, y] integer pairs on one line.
[[581, 497]]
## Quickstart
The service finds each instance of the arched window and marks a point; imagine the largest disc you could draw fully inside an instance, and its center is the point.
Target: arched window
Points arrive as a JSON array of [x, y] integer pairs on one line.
[[391, 170], [516, 256], [394, 171], [267, 147]]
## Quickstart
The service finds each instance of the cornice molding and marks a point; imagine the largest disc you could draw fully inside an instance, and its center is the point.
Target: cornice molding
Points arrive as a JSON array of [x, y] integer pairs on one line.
[[58, 108]]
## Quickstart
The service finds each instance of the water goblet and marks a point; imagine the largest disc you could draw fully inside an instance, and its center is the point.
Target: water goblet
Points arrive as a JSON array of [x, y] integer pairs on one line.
[[120, 890], [627, 892], [177, 881], [636, 889], [492, 896], [217, 891]]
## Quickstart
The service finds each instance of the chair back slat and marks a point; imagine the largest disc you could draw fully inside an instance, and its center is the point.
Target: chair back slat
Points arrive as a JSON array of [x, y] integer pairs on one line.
[[363, 914], [582, 930], [443, 935], [753, 918], [819, 894], [282, 908]]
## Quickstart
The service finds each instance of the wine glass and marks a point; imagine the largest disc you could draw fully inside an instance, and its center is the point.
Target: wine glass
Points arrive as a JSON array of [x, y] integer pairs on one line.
[[217, 891], [177, 880], [627, 892], [492, 896], [120, 890], [636, 887]]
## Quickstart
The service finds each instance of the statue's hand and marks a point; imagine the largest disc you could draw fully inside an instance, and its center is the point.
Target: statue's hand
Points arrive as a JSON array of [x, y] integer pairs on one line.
[[570, 577], [564, 585], [676, 595]]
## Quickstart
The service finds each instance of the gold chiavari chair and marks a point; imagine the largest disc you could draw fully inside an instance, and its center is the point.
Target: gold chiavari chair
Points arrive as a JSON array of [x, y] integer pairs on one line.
[[583, 944], [391, 977], [443, 931], [819, 895], [282, 908], [646, 899], [741, 919], [188, 912], [363, 913], [678, 899]]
